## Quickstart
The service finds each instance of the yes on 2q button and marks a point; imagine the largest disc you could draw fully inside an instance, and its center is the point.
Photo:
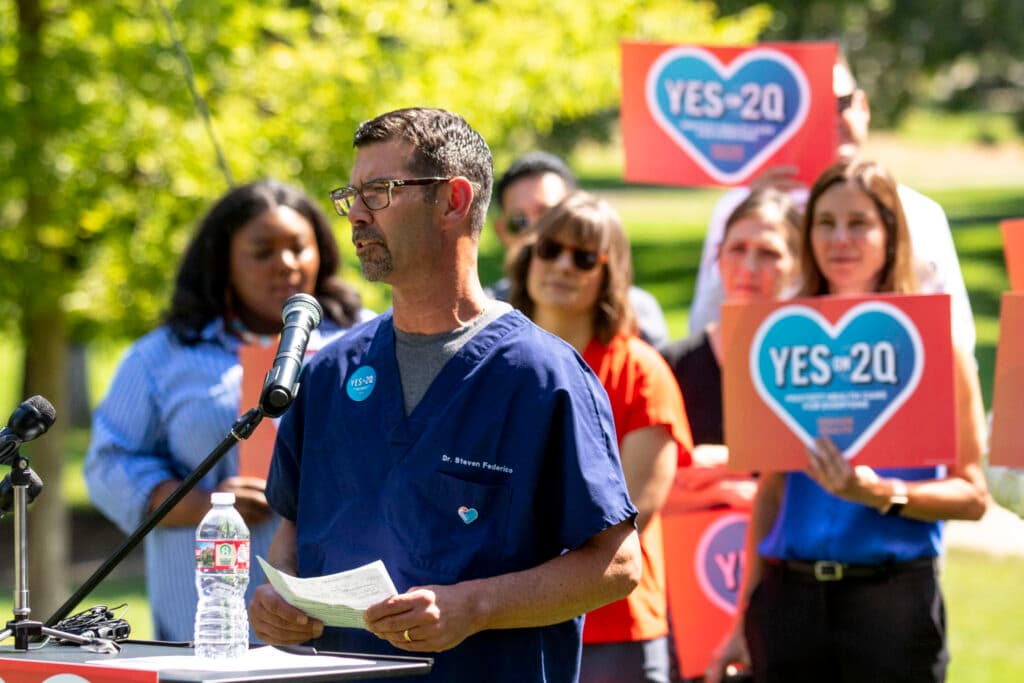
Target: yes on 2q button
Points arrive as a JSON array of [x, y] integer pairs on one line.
[[361, 383]]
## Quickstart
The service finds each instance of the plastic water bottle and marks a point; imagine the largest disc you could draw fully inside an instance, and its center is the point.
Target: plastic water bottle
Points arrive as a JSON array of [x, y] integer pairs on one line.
[[222, 574]]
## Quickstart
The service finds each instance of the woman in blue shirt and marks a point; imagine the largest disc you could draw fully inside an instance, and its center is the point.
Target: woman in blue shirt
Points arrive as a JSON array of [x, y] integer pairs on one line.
[[842, 582], [177, 391]]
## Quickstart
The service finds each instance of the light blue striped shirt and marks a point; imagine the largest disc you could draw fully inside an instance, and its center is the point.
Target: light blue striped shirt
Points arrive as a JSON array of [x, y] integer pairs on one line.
[[168, 406]]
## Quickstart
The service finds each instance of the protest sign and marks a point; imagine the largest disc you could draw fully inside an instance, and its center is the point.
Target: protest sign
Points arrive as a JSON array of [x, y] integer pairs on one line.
[[255, 452], [1006, 446], [704, 557], [256, 359], [696, 115], [1013, 251], [16, 669], [874, 374]]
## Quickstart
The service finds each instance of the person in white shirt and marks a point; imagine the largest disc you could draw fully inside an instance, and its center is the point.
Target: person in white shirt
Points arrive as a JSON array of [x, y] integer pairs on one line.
[[931, 239]]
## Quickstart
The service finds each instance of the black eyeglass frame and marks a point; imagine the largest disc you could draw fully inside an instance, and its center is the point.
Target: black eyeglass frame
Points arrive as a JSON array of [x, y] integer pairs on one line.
[[344, 197], [582, 259]]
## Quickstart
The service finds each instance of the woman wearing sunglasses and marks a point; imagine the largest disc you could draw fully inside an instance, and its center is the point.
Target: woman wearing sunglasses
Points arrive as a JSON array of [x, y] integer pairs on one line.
[[572, 277]]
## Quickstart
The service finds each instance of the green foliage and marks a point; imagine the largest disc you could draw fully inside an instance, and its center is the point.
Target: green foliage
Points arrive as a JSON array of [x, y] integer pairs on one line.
[[927, 125], [965, 55], [126, 163]]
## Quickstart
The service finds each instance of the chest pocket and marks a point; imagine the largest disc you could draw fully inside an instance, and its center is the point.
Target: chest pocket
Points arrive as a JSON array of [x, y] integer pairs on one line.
[[452, 526]]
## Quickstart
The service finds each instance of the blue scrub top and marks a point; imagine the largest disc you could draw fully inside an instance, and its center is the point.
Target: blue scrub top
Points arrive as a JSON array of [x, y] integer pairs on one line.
[[813, 525], [509, 460]]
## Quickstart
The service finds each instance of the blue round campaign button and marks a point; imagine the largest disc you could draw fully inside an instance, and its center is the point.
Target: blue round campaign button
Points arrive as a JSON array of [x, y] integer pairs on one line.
[[360, 385]]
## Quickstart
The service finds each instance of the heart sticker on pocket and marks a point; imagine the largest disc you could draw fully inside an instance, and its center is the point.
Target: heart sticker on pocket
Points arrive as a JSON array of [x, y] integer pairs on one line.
[[843, 381], [728, 119], [468, 515]]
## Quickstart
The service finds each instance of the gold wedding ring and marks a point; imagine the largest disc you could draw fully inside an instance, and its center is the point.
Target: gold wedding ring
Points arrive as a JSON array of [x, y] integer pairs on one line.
[[405, 635]]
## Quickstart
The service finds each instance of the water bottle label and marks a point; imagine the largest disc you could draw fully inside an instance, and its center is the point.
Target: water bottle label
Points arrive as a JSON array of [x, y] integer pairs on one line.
[[222, 554]]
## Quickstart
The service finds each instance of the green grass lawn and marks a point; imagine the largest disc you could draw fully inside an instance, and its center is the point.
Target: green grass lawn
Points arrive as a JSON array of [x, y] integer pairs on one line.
[[984, 611], [982, 606], [112, 593]]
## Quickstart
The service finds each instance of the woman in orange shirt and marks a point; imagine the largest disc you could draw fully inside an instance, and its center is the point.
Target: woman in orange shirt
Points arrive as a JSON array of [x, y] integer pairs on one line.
[[572, 277]]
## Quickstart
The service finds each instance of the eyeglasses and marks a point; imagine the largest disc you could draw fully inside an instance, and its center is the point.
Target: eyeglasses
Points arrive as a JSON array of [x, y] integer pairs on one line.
[[517, 223], [376, 194], [584, 259], [843, 102]]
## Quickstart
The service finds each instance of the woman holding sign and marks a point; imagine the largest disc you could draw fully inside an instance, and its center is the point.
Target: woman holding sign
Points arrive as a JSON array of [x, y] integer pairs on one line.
[[841, 579], [572, 277], [758, 259], [178, 389]]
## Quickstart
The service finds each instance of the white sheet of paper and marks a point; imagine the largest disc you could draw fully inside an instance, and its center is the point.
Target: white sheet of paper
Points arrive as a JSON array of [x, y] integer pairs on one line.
[[337, 599], [258, 659]]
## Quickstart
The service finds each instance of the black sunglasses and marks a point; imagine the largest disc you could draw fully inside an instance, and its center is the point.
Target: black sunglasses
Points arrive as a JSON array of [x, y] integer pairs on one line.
[[517, 223], [584, 259], [843, 102]]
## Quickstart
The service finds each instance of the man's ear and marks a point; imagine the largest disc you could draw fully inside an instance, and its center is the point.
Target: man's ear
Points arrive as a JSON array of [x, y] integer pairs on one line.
[[460, 198]]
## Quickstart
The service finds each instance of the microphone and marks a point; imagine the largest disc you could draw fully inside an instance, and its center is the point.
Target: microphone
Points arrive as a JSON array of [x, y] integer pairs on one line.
[[30, 420], [35, 487], [301, 315]]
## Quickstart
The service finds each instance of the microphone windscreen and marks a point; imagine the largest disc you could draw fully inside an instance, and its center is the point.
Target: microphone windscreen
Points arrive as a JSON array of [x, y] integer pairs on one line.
[[45, 408], [298, 302]]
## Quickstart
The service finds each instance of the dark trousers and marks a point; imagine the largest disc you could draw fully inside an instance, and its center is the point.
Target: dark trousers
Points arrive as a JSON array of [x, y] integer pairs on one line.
[[889, 628]]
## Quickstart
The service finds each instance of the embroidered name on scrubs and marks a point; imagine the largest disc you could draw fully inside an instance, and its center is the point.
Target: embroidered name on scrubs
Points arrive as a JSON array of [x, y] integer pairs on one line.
[[360, 385], [468, 515], [479, 464]]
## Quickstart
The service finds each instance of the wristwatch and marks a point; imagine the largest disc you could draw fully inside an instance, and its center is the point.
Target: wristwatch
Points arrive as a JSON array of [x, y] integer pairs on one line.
[[894, 506]]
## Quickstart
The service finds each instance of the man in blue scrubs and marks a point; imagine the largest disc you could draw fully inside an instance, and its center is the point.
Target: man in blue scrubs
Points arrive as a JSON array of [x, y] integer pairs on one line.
[[468, 449]]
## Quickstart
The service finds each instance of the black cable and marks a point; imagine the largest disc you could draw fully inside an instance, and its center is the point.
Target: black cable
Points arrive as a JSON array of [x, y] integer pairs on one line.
[[96, 622], [200, 102]]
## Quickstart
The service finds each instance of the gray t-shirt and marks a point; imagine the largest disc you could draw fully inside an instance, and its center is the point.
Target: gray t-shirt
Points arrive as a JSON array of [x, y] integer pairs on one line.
[[421, 356]]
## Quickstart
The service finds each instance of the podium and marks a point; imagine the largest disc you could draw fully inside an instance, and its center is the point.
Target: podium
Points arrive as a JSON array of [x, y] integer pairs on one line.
[[18, 666]]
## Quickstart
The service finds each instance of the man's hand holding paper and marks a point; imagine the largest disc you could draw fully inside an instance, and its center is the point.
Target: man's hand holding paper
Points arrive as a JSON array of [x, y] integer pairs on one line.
[[426, 619], [338, 599], [275, 621], [293, 610]]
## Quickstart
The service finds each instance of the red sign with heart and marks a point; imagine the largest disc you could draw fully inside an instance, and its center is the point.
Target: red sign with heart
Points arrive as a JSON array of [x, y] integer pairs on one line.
[[696, 115]]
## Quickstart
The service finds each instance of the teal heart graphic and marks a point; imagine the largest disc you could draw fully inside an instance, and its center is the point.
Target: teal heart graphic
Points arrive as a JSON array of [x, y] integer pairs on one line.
[[843, 381], [468, 515], [728, 119]]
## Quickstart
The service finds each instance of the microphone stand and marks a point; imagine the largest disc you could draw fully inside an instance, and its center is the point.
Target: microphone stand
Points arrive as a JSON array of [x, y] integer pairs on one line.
[[242, 429], [21, 627]]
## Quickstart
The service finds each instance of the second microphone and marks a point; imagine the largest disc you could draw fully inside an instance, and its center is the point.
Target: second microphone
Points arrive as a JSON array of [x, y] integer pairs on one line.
[[301, 315]]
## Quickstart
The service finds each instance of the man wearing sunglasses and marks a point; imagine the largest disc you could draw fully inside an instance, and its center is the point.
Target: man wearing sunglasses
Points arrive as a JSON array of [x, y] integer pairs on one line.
[[534, 183], [930, 235], [449, 437]]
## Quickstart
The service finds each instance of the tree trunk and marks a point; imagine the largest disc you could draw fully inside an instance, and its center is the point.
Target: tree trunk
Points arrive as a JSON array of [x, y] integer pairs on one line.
[[48, 541], [78, 408], [43, 323]]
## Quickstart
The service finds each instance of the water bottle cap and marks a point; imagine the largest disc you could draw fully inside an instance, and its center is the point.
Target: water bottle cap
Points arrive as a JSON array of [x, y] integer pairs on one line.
[[223, 498]]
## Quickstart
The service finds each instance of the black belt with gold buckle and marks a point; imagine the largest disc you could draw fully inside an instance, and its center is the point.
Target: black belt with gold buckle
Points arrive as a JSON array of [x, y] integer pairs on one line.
[[827, 570]]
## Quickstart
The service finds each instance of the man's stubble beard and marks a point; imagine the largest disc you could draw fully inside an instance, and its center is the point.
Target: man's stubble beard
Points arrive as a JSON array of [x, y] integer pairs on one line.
[[377, 267]]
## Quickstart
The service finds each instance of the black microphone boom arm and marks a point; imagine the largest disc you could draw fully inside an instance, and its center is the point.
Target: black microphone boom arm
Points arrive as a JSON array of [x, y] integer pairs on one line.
[[301, 314], [242, 428]]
